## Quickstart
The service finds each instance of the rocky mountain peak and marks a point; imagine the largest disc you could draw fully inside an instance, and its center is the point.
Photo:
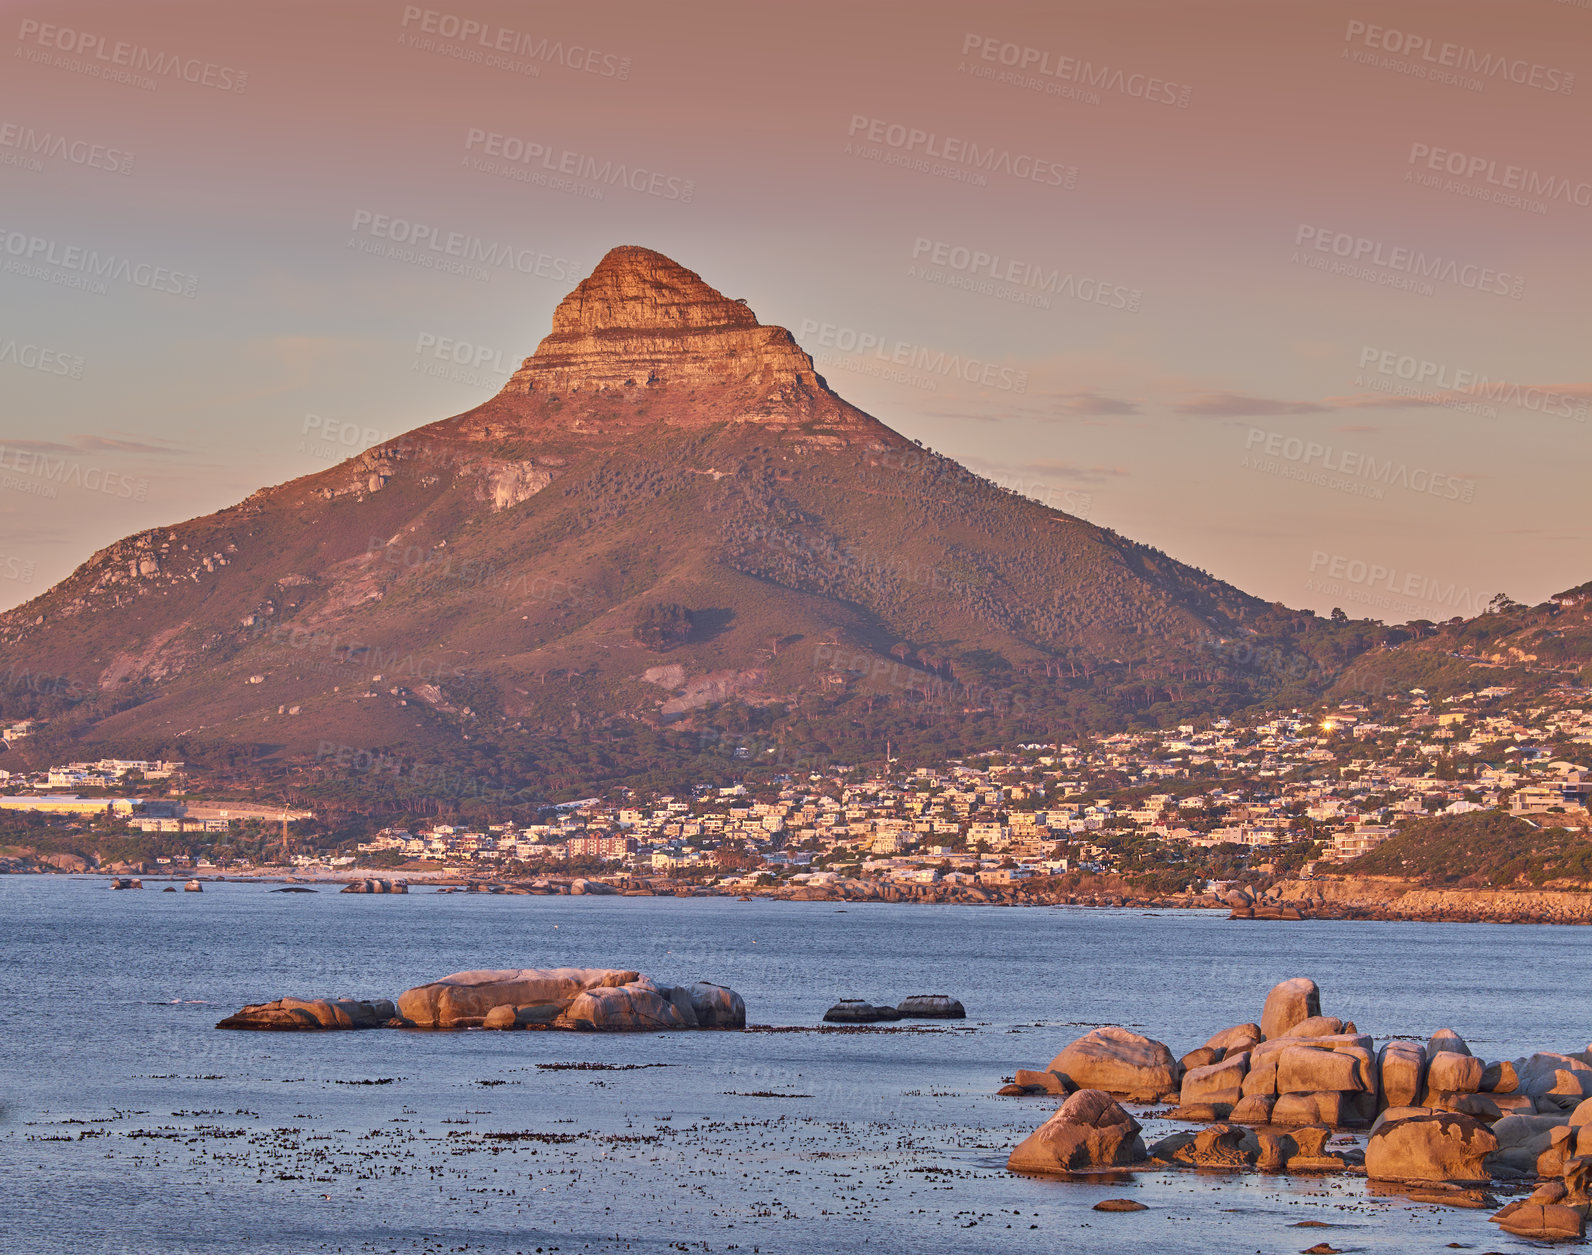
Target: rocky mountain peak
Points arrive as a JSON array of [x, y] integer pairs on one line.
[[641, 320], [637, 289]]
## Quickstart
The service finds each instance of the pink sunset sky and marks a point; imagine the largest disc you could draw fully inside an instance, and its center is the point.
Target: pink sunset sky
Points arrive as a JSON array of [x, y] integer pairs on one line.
[[1297, 292]]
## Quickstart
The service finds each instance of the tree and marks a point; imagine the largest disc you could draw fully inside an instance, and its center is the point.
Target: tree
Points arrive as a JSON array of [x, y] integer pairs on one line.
[[663, 624], [1338, 616]]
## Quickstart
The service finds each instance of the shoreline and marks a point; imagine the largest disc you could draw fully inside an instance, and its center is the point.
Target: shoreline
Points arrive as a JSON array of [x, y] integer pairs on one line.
[[1338, 898]]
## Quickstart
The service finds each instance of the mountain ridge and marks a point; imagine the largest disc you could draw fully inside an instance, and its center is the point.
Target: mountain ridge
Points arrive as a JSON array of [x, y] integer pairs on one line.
[[482, 577]]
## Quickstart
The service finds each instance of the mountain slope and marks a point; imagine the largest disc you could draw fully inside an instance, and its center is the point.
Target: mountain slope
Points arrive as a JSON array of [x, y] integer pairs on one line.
[[482, 577], [1527, 649]]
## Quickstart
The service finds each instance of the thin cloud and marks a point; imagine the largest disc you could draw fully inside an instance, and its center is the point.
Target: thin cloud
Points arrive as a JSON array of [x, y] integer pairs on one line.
[[97, 444], [1040, 407], [1094, 403], [1009, 473], [1245, 405], [1523, 396]]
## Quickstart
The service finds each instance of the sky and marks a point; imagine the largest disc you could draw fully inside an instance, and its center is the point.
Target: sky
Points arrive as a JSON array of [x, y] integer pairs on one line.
[[1294, 291]]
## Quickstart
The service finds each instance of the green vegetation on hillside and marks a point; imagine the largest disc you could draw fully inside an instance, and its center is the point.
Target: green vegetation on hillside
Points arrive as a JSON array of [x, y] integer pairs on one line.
[[1482, 849]]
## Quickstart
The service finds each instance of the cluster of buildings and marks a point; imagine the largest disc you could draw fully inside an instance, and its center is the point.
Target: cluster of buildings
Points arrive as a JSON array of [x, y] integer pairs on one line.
[[1345, 779], [53, 791], [106, 773], [1224, 792]]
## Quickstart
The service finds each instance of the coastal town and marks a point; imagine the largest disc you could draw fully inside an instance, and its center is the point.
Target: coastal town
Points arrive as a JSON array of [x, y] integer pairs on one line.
[[1189, 809]]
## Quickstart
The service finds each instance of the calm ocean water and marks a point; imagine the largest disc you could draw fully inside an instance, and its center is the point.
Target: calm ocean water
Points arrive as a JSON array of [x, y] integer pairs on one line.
[[128, 1124]]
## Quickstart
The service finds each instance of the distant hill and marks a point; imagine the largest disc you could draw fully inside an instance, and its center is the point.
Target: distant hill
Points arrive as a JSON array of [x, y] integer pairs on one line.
[[1480, 850], [1527, 648]]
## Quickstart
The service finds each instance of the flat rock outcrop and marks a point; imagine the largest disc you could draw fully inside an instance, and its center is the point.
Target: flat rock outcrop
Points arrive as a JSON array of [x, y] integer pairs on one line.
[[859, 1011], [1546, 1222], [931, 1007], [300, 1014]]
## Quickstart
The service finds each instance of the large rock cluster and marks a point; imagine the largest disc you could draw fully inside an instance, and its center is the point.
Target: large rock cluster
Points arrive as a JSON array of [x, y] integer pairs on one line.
[[1273, 1093], [580, 999]]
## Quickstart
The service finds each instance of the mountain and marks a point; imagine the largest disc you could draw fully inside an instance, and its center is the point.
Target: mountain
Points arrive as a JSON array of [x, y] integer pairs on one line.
[[666, 526]]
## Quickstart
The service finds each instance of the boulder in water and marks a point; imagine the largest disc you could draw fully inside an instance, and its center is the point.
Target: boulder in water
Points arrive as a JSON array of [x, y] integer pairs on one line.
[[1556, 1081], [589, 999], [1042, 1082], [1228, 1147], [1215, 1085], [1120, 1062], [1253, 1109], [1288, 1004], [1450, 1072], [637, 1007], [500, 1017], [1314, 1107], [1402, 1067], [717, 1007], [1442, 1147], [1089, 1131], [1307, 1070]]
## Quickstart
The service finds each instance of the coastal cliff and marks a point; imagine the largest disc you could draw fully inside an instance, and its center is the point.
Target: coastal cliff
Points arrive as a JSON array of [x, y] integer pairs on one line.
[[1381, 897]]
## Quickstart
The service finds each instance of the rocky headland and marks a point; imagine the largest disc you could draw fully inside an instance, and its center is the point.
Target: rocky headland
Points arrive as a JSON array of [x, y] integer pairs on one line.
[[1378, 897], [1316, 898], [1361, 897]]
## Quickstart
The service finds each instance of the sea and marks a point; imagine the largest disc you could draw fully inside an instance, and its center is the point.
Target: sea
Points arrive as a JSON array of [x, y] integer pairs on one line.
[[129, 1123]]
